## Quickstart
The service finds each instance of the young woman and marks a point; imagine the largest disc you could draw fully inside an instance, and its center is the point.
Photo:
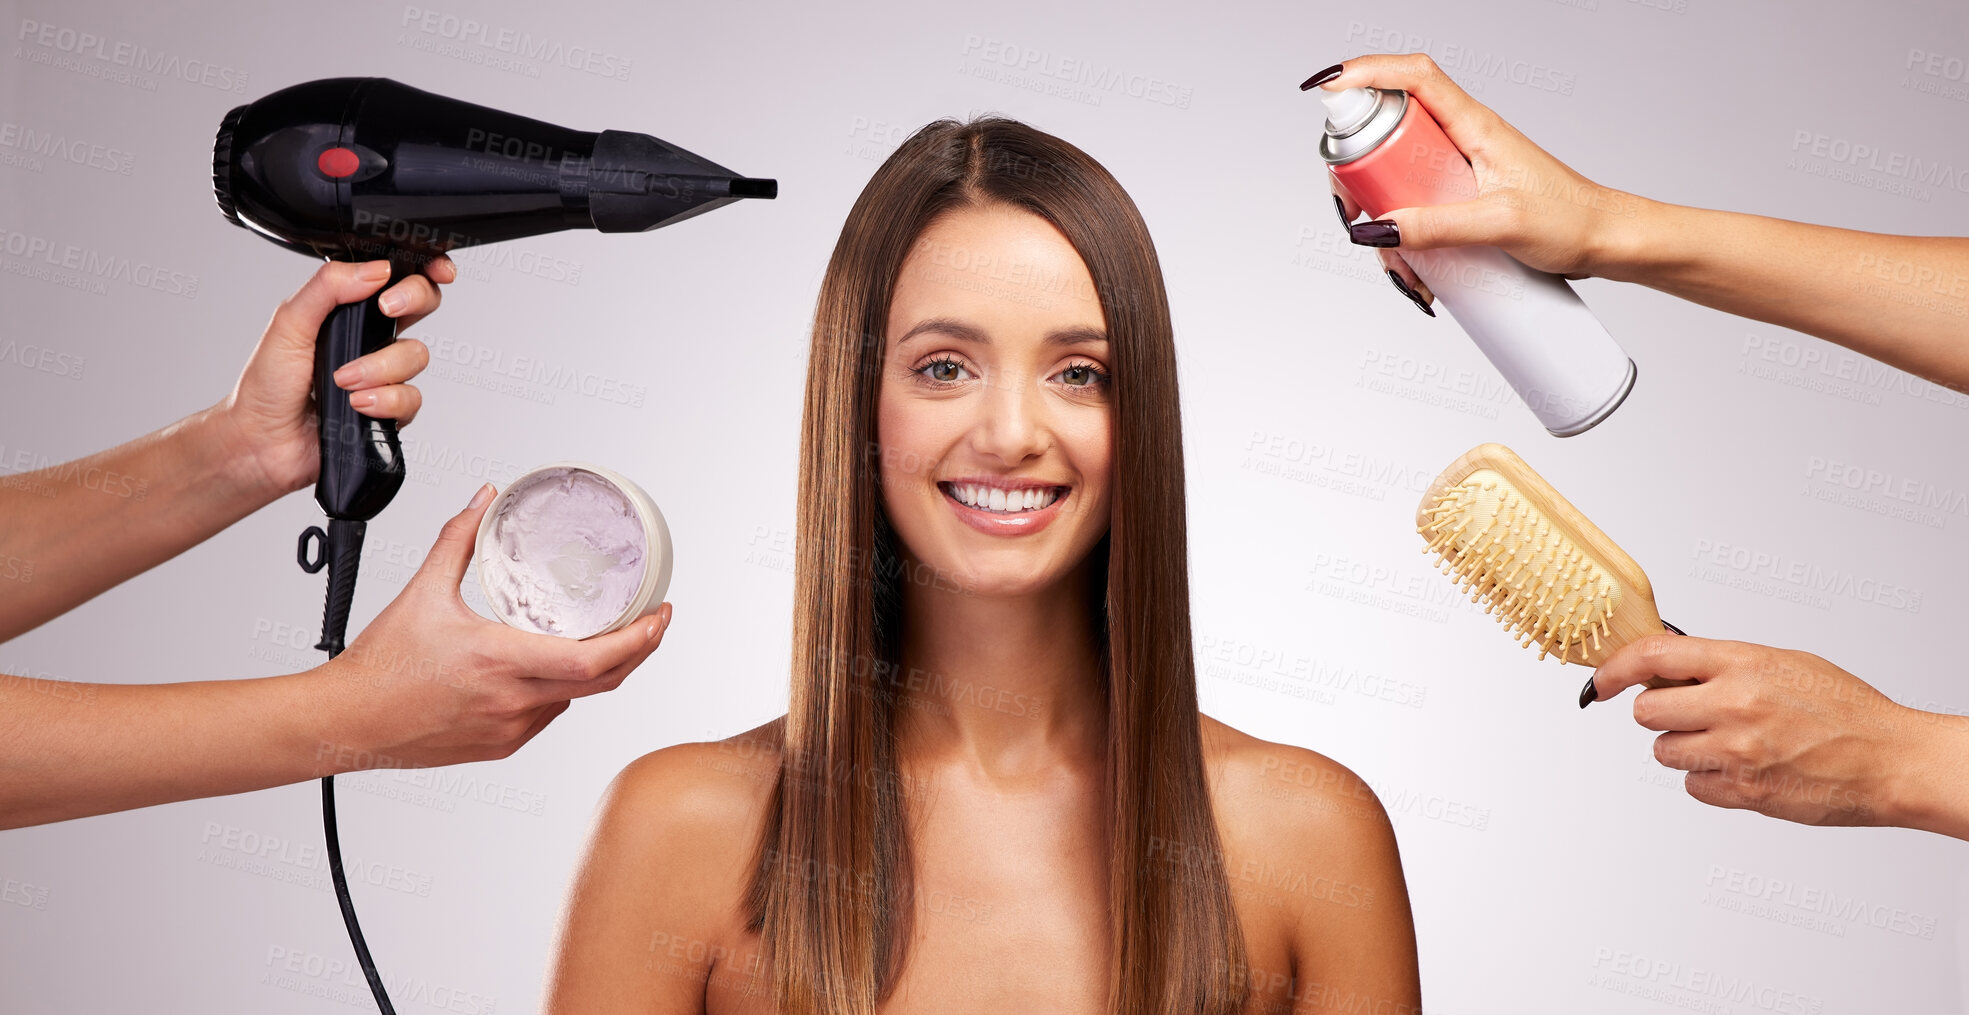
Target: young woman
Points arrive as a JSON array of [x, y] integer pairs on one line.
[[992, 790]]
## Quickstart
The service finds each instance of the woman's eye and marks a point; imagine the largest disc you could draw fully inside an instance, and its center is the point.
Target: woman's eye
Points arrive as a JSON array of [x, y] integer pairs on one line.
[[1083, 375], [943, 371]]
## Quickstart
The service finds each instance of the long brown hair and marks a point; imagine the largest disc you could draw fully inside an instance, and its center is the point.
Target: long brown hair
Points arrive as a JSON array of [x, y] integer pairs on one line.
[[831, 884]]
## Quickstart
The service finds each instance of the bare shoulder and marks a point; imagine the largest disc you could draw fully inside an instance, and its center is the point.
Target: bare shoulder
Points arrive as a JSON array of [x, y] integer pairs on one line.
[[1280, 792], [658, 900], [704, 785], [1311, 855], [693, 808]]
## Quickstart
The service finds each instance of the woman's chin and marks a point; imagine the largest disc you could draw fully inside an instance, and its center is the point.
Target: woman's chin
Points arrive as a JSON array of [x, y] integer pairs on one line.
[[1001, 579]]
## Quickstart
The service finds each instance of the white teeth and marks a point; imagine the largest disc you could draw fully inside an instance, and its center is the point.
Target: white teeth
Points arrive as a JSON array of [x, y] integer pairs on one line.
[[1002, 501]]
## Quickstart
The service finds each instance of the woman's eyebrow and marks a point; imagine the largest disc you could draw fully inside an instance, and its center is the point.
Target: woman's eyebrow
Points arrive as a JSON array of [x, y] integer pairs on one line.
[[966, 332]]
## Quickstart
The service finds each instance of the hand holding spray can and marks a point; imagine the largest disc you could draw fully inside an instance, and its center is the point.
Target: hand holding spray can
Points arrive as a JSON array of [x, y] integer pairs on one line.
[[1386, 152]]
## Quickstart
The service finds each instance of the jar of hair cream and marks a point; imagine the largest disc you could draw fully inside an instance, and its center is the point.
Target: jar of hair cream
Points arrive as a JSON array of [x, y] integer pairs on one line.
[[574, 550]]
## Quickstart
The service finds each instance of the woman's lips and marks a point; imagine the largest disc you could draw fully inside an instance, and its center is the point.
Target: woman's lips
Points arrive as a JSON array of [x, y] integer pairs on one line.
[[995, 523]]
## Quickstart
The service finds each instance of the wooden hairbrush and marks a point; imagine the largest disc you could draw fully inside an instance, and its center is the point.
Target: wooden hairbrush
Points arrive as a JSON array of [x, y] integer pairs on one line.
[[1545, 570]]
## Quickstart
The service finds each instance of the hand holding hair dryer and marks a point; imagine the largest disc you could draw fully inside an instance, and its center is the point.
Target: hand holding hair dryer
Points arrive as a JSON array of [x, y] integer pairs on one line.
[[1386, 152], [367, 168], [364, 168]]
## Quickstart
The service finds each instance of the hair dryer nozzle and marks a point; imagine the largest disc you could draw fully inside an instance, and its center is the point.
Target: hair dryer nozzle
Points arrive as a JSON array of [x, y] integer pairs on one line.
[[640, 183]]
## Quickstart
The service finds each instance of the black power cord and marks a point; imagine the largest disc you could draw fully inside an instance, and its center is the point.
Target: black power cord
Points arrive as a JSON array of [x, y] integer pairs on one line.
[[340, 550]]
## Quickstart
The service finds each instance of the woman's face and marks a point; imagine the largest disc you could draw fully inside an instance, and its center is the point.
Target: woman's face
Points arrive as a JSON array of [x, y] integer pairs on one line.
[[993, 414]]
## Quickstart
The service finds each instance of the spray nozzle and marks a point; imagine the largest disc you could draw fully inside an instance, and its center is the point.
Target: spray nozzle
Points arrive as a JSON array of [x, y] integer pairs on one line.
[[1349, 108]]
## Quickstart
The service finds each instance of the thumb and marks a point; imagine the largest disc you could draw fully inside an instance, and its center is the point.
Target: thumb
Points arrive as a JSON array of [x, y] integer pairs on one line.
[[1463, 224], [298, 319], [444, 567]]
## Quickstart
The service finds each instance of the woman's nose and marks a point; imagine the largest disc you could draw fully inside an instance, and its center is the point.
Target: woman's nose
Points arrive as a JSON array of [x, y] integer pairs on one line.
[[1014, 423]]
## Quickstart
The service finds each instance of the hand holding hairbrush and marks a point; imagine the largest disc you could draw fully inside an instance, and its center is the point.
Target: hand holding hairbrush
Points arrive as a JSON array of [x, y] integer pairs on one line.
[[1548, 574]]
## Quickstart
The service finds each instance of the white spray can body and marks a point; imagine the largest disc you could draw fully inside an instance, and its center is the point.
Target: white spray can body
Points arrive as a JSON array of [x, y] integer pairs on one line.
[[1387, 152]]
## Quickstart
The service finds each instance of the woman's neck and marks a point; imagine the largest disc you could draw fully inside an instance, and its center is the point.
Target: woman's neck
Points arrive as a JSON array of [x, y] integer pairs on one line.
[[1010, 686]]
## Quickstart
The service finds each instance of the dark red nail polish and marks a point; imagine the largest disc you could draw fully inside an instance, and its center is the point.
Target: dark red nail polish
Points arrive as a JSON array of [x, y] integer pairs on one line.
[[1378, 233], [1413, 296], [1589, 694], [1340, 209], [1323, 76]]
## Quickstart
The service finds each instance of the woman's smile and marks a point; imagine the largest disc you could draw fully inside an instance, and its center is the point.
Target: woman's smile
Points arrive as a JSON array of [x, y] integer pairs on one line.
[[1004, 507]]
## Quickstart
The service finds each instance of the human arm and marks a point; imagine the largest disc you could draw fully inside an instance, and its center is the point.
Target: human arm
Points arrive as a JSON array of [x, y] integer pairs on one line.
[[1903, 300], [79, 528], [1793, 736], [427, 683]]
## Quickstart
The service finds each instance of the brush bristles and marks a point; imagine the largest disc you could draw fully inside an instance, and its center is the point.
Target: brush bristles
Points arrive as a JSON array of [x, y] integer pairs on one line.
[[1504, 552]]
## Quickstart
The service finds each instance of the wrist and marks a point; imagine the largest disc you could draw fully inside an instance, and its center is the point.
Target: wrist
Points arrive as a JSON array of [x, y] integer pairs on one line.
[[362, 727], [336, 736], [1632, 239], [230, 457], [1928, 788]]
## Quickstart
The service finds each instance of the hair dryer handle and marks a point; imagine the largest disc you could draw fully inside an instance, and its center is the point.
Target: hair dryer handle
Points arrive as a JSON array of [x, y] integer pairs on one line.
[[361, 460]]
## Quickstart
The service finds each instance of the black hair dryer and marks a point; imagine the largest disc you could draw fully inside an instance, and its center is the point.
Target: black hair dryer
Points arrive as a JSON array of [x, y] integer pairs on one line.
[[358, 169]]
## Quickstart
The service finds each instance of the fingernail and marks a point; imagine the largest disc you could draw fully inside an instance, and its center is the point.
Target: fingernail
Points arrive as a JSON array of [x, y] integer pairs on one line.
[[391, 302], [479, 498], [650, 629], [1323, 76], [1589, 694], [363, 399], [1340, 209], [1378, 233], [1413, 296], [350, 373], [374, 271]]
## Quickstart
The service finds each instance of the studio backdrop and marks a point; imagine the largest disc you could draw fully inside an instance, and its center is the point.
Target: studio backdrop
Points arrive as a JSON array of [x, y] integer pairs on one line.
[[1778, 489]]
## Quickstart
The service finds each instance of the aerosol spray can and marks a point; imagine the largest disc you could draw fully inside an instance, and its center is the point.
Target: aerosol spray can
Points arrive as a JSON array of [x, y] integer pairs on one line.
[[1386, 152]]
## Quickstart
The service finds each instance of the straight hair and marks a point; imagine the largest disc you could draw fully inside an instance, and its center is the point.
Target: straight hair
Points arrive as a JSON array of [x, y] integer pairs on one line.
[[831, 888]]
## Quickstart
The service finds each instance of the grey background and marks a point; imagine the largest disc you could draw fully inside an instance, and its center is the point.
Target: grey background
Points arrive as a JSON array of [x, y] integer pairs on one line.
[[1553, 866]]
